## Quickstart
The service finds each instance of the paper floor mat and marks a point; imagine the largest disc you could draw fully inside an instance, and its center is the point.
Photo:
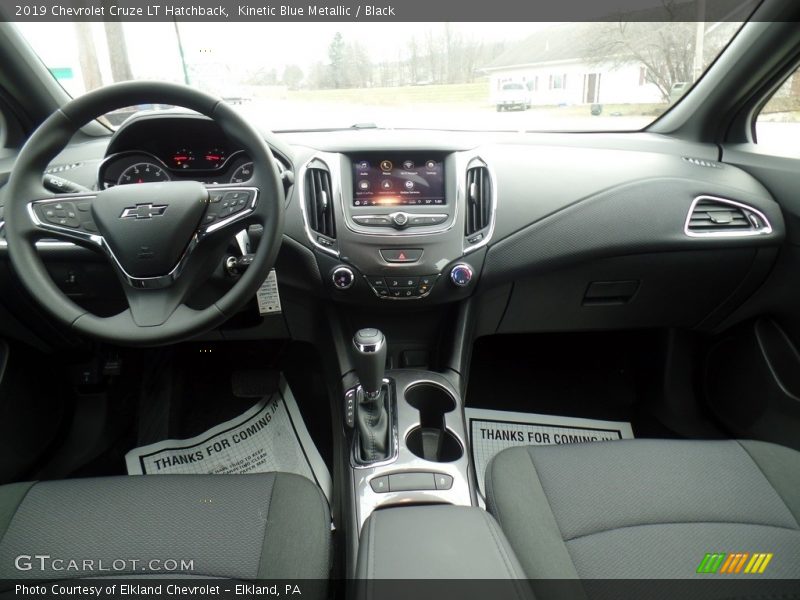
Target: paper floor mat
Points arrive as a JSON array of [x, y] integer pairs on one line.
[[491, 431], [270, 436]]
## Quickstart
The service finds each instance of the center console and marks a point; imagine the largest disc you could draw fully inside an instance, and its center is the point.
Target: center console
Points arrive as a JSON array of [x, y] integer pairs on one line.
[[428, 463], [408, 434], [396, 232], [451, 543], [399, 225]]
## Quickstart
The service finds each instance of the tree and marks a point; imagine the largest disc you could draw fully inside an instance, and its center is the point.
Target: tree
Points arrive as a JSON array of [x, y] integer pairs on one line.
[[292, 76], [665, 49], [414, 65], [262, 77], [358, 67], [319, 76], [118, 51], [336, 56], [87, 57]]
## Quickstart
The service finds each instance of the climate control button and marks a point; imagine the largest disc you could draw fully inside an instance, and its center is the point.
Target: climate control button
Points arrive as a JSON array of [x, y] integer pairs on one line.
[[342, 277], [461, 275]]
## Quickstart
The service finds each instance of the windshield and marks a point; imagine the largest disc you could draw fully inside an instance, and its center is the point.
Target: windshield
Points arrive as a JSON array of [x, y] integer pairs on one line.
[[297, 76]]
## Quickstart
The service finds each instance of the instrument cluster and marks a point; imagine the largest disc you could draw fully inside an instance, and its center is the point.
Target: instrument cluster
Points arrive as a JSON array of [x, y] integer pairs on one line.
[[213, 164]]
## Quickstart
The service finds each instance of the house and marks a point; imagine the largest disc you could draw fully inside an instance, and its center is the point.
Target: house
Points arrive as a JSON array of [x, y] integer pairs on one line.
[[556, 66]]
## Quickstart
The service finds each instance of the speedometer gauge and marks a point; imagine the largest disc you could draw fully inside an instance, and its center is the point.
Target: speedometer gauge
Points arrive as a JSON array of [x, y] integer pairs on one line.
[[143, 172], [242, 173]]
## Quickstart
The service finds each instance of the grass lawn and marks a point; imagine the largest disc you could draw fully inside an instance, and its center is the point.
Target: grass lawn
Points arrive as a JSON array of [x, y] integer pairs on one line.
[[462, 95], [472, 94]]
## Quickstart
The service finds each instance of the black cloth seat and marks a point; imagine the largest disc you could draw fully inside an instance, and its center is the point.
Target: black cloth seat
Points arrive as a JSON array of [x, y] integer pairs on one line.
[[646, 508], [260, 526]]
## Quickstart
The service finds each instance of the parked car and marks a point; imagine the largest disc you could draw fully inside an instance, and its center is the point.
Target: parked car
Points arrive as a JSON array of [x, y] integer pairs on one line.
[[677, 90], [513, 96]]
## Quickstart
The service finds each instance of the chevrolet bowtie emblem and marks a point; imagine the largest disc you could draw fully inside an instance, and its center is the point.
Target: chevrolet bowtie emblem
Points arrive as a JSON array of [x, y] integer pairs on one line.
[[143, 211]]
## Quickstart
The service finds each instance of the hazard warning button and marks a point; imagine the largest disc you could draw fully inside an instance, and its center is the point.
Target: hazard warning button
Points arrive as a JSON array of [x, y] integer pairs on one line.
[[401, 255]]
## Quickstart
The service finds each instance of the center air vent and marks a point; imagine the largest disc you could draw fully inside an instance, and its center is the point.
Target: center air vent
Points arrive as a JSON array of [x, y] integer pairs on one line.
[[319, 207], [479, 204], [715, 216]]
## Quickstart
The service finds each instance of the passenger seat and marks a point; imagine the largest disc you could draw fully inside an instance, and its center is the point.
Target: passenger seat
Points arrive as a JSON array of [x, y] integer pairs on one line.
[[647, 508]]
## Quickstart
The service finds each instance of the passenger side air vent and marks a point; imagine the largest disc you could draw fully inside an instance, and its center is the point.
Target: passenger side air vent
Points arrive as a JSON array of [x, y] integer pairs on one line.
[[319, 207], [479, 204], [716, 216]]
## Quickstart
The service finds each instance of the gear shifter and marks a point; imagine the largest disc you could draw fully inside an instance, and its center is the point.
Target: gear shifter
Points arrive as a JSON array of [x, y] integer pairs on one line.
[[372, 416]]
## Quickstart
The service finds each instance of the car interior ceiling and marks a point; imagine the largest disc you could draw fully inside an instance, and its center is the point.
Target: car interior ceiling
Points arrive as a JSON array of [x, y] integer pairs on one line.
[[557, 274]]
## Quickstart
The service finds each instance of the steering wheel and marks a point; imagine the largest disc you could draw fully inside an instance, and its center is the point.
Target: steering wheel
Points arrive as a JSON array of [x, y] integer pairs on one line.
[[162, 239]]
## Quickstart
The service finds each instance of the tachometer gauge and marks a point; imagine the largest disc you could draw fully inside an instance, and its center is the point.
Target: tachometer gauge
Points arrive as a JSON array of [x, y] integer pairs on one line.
[[142, 172], [214, 158], [242, 173]]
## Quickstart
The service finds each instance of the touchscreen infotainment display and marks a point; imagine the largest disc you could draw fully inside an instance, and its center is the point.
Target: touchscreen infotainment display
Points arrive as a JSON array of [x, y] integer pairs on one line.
[[398, 180]]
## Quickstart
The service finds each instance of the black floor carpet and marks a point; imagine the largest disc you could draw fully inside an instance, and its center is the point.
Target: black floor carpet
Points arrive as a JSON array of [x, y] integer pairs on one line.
[[185, 390], [590, 375]]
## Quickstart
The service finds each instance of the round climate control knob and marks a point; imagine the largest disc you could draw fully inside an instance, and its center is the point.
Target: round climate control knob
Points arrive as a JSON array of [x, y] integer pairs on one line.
[[461, 274], [342, 277]]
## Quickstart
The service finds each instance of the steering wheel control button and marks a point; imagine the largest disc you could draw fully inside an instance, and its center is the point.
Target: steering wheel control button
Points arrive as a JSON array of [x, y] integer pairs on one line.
[[61, 214], [461, 275], [401, 255], [343, 278], [224, 203], [235, 198], [88, 225]]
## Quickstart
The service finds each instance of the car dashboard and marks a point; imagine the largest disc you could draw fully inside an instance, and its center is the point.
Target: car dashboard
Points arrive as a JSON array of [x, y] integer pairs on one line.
[[543, 231]]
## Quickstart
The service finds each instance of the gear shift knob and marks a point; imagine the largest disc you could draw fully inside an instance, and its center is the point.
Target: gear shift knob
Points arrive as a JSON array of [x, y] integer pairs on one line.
[[370, 359]]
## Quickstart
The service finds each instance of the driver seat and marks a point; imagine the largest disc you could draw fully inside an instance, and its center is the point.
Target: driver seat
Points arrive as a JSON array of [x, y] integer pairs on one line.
[[259, 526]]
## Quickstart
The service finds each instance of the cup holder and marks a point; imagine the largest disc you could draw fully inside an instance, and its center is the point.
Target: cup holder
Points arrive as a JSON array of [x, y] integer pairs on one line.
[[431, 440]]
